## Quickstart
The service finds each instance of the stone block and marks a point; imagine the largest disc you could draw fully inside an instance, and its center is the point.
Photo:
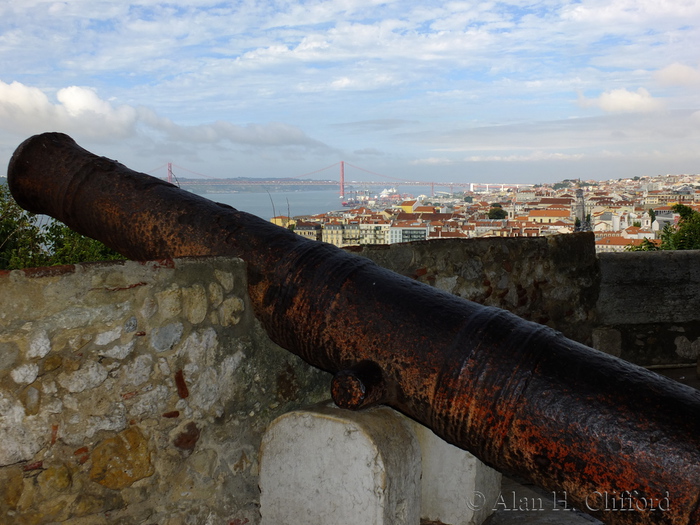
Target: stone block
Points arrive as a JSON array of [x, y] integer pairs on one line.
[[120, 461], [325, 465], [457, 488]]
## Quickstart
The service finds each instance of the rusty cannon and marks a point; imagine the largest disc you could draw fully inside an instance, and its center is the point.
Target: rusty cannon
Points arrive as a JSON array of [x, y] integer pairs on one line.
[[623, 443]]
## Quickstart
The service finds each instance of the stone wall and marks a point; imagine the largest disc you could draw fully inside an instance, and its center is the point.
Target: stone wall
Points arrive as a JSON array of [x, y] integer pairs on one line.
[[641, 306], [649, 307], [137, 393], [550, 280]]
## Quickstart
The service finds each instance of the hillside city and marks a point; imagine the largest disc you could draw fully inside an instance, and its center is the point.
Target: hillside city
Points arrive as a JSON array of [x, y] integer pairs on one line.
[[617, 211]]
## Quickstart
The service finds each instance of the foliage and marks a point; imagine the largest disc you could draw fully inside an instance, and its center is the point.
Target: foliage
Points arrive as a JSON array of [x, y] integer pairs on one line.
[[69, 247], [497, 214], [20, 235], [645, 246], [686, 235], [683, 236], [652, 214], [28, 240]]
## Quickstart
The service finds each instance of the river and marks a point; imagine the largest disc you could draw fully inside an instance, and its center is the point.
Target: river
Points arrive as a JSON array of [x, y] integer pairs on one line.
[[290, 203]]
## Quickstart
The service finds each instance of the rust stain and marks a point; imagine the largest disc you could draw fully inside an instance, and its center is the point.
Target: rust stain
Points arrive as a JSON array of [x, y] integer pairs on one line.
[[187, 439], [37, 465], [420, 272], [49, 271], [182, 390]]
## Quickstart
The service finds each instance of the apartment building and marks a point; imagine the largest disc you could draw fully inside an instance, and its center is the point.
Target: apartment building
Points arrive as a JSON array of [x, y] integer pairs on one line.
[[405, 231]]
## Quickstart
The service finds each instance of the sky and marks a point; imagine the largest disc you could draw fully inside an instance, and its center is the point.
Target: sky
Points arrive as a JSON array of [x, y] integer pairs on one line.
[[517, 91]]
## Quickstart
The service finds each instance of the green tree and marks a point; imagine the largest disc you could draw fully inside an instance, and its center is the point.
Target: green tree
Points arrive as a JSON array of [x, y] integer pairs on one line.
[[28, 240], [69, 247], [497, 214], [683, 236], [652, 214], [21, 237], [686, 234]]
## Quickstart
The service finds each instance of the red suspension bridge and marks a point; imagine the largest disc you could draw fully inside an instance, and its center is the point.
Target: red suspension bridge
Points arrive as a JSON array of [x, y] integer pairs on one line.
[[301, 180]]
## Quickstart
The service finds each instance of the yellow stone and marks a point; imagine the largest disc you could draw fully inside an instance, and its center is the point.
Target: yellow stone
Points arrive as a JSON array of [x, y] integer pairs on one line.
[[195, 303], [87, 504], [230, 311], [55, 478], [32, 401], [52, 362], [225, 278], [120, 461], [216, 294], [169, 302], [12, 483]]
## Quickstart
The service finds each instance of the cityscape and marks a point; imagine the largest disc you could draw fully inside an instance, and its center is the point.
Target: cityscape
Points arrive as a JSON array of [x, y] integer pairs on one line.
[[621, 213]]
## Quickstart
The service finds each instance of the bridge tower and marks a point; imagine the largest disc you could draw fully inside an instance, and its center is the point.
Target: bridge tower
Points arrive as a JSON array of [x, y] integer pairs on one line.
[[170, 172], [342, 179]]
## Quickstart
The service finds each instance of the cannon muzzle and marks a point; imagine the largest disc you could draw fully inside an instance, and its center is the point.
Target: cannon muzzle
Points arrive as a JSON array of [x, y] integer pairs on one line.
[[622, 442]]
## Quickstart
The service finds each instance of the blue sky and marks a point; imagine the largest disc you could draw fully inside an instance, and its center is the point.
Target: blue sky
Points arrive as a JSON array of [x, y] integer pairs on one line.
[[513, 91]]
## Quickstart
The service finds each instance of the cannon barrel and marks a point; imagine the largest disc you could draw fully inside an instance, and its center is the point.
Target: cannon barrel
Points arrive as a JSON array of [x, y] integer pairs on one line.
[[620, 441]]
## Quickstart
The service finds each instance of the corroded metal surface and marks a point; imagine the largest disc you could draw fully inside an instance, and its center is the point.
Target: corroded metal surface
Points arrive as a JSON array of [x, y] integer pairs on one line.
[[622, 443]]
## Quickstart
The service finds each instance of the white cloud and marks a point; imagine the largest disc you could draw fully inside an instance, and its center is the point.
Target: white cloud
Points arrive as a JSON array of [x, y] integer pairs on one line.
[[432, 161], [607, 13], [535, 156], [624, 101], [369, 151], [81, 112], [679, 75], [457, 78]]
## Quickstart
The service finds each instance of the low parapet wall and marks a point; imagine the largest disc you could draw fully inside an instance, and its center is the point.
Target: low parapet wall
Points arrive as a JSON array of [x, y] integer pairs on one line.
[[549, 280], [641, 306], [649, 307]]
